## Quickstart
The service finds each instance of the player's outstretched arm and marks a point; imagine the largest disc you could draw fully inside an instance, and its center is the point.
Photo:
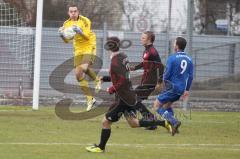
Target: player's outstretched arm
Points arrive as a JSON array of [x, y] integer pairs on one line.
[[137, 67]]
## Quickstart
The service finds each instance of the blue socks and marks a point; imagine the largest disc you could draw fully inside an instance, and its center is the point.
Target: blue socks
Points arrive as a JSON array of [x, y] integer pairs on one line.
[[162, 110], [170, 110], [167, 114]]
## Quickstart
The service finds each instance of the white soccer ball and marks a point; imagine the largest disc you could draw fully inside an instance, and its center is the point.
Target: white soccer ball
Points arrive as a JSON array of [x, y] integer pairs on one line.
[[69, 33]]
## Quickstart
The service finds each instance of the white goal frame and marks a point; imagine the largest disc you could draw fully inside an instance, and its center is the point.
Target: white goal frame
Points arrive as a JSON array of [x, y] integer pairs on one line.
[[37, 53]]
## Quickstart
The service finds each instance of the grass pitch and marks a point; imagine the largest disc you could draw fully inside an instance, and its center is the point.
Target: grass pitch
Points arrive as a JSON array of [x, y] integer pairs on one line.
[[27, 134]]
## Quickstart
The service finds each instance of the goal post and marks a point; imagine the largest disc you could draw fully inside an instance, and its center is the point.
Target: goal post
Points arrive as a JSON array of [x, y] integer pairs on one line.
[[37, 59]]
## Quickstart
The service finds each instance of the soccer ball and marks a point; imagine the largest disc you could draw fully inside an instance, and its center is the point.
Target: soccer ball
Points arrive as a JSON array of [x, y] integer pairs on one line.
[[69, 33]]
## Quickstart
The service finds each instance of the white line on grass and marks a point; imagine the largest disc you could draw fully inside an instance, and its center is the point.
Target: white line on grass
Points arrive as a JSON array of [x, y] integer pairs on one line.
[[210, 122], [16, 110], [175, 146], [183, 121]]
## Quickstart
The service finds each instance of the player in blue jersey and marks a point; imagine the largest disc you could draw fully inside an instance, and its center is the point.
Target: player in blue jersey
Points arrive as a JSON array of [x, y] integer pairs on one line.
[[177, 79]]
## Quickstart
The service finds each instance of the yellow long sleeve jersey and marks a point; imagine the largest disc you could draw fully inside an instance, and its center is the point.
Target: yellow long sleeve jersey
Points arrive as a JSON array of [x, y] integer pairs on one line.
[[85, 43]]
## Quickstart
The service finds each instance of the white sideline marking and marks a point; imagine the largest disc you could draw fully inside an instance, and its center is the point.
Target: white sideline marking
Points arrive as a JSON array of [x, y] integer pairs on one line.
[[187, 121], [210, 122], [176, 146], [27, 110]]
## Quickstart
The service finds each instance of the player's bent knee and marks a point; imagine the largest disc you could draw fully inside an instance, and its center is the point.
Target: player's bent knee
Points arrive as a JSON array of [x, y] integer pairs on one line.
[[156, 104], [167, 105], [79, 74], [84, 67], [133, 123], [79, 77], [106, 124]]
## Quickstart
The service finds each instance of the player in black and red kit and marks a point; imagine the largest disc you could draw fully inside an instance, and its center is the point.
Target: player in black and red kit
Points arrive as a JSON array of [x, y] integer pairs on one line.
[[125, 100], [152, 75]]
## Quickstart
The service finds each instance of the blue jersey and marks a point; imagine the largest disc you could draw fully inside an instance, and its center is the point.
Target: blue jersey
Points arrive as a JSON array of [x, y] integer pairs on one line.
[[179, 72]]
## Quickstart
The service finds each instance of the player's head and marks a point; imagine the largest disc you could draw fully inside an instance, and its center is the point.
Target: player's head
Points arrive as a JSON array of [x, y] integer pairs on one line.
[[147, 38], [73, 12], [180, 44], [112, 44]]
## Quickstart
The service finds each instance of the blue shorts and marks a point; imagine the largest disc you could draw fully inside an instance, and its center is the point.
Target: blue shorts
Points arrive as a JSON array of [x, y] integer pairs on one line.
[[168, 96]]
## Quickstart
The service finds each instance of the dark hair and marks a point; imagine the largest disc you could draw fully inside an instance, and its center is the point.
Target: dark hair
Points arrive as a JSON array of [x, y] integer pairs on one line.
[[150, 35], [112, 44], [181, 43], [72, 5]]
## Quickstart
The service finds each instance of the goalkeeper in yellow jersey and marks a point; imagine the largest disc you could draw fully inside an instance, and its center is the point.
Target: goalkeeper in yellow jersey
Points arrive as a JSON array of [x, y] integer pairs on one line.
[[84, 43]]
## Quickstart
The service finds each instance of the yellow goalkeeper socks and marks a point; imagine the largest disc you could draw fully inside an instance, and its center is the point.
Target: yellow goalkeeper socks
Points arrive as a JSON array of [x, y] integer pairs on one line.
[[91, 74], [85, 88]]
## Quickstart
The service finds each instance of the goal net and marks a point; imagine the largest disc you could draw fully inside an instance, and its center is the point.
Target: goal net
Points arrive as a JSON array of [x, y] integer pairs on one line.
[[16, 54]]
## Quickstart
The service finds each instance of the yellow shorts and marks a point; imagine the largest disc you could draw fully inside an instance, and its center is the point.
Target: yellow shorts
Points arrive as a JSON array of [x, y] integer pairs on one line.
[[87, 57]]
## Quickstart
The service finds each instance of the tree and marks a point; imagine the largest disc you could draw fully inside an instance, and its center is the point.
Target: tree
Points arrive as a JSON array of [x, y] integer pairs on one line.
[[26, 8], [236, 24], [208, 11], [56, 10], [97, 11]]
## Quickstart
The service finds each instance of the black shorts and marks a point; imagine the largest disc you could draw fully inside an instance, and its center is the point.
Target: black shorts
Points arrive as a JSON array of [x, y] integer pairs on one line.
[[143, 91], [118, 109]]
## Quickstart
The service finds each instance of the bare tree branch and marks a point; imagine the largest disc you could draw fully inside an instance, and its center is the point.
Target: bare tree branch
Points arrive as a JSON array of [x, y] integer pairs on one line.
[[28, 13]]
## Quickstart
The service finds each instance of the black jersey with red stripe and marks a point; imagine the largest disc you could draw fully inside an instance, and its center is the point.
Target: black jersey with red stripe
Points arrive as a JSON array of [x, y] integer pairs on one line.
[[120, 77], [152, 66]]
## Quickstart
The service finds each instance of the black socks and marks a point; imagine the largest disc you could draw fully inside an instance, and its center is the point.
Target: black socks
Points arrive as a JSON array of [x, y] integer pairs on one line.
[[148, 123], [104, 138], [146, 114]]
